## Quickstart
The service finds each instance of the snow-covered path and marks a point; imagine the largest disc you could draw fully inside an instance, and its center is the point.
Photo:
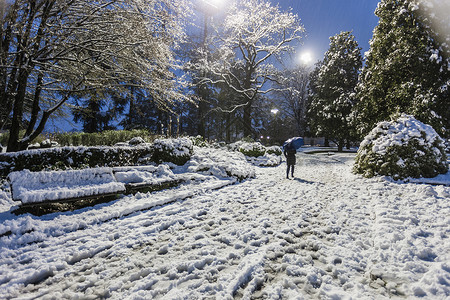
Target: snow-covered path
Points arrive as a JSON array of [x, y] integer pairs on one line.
[[327, 234]]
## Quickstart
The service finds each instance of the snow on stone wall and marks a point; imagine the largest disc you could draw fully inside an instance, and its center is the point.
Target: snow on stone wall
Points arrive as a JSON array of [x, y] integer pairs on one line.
[[30, 187]]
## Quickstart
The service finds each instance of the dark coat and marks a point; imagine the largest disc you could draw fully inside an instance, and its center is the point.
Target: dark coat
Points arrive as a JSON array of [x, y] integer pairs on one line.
[[289, 153]]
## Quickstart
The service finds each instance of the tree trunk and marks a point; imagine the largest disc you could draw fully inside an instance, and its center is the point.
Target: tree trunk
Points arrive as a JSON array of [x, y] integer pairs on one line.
[[247, 120], [5, 42], [201, 116], [340, 146], [228, 128], [13, 142], [35, 109]]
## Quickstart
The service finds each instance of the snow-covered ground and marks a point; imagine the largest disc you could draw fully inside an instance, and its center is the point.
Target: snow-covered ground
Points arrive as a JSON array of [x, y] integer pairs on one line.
[[327, 234]]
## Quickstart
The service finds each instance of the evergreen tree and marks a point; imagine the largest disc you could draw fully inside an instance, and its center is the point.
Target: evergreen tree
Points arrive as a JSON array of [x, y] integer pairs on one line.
[[333, 89], [96, 110], [407, 67]]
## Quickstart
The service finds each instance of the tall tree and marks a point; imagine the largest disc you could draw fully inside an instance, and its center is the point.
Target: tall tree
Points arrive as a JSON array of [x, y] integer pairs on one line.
[[253, 34], [333, 89], [54, 49], [407, 66], [292, 95]]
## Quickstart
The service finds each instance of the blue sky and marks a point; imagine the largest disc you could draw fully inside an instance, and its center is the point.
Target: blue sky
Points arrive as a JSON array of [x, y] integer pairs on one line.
[[325, 18]]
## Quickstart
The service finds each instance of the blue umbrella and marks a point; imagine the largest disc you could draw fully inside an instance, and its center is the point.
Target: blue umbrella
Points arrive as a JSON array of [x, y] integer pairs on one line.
[[297, 142]]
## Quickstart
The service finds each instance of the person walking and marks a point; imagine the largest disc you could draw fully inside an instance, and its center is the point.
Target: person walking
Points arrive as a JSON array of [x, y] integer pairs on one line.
[[289, 153]]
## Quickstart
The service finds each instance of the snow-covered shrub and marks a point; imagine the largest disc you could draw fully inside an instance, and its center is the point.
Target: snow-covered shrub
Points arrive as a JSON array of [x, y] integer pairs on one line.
[[136, 141], [47, 143], [72, 158], [274, 150], [252, 149], [257, 154], [177, 151], [404, 147], [105, 138], [199, 141], [267, 160], [221, 163]]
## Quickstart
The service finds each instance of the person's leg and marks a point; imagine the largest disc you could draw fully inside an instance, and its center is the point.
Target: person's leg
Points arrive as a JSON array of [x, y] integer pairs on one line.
[[287, 171], [292, 171]]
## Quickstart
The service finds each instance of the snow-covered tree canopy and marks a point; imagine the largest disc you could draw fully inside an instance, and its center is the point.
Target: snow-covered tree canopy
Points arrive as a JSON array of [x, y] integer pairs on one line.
[[53, 49], [407, 67], [253, 34], [333, 88]]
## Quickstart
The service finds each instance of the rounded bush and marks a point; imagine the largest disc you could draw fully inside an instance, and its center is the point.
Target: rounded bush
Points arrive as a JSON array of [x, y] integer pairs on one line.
[[252, 149], [274, 150], [177, 151], [404, 147]]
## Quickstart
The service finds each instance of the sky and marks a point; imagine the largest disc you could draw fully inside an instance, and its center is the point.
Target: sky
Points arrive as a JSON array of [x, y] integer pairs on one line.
[[325, 18]]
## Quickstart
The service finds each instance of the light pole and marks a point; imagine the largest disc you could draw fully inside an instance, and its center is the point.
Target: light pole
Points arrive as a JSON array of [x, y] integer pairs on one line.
[[273, 125]]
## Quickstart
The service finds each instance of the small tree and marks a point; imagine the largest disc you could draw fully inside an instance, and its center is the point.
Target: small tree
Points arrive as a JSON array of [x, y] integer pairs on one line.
[[333, 89]]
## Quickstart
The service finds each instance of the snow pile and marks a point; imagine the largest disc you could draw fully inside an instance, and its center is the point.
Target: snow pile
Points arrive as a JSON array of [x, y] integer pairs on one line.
[[30, 187], [220, 163], [177, 151], [402, 148], [144, 174]]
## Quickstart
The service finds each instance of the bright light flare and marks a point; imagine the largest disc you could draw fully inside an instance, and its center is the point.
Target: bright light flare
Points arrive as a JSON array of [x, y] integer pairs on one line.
[[214, 3], [306, 57]]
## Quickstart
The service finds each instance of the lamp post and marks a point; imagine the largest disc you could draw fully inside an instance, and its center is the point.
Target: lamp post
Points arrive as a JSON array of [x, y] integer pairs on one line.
[[274, 127]]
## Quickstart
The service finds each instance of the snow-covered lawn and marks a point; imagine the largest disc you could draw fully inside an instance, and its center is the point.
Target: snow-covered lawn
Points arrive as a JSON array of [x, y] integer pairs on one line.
[[327, 234]]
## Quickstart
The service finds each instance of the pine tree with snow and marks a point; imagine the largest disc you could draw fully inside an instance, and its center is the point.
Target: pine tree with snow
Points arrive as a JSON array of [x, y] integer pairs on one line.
[[407, 66], [333, 89]]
